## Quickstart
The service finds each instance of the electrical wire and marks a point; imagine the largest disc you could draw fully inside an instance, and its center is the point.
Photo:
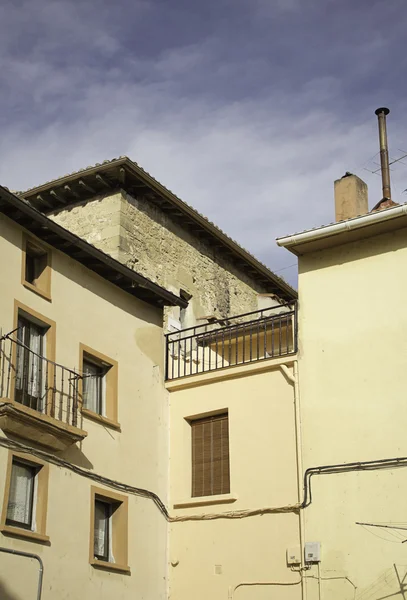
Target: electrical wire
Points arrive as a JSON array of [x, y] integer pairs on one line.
[[390, 463], [380, 537], [129, 489], [284, 268], [60, 462]]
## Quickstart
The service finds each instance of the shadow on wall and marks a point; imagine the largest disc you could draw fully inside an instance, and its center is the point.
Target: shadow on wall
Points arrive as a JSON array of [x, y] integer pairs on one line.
[[5, 593]]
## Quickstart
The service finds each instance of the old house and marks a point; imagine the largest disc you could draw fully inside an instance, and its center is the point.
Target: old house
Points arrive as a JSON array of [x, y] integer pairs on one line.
[[352, 357], [121, 209], [124, 446]]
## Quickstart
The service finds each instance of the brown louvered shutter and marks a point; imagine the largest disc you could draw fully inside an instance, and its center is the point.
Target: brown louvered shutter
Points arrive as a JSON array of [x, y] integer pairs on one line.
[[210, 456]]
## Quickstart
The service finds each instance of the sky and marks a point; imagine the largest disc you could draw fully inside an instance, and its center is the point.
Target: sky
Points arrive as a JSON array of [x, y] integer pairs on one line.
[[247, 109]]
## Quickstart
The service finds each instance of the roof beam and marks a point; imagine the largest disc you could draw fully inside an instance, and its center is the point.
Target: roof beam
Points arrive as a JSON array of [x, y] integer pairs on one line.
[[103, 181], [71, 191], [57, 196], [86, 186], [122, 175], [42, 200]]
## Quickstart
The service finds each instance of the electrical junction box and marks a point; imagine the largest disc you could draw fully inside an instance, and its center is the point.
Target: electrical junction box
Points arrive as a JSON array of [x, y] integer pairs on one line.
[[313, 552], [293, 556]]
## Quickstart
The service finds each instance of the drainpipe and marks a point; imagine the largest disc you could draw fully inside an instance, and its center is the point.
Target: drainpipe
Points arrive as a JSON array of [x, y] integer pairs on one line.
[[29, 555], [293, 379]]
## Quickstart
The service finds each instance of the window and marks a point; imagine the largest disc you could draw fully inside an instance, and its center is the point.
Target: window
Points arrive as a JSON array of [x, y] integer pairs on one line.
[[210, 455], [98, 387], [109, 536], [93, 386], [29, 376], [36, 269], [21, 495], [102, 530], [25, 498]]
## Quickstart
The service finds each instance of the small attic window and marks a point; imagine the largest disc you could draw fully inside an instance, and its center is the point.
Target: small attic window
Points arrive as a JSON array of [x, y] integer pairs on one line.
[[37, 268]]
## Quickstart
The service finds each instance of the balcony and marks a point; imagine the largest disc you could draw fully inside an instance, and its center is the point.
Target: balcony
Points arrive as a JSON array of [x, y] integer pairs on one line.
[[39, 399], [239, 340]]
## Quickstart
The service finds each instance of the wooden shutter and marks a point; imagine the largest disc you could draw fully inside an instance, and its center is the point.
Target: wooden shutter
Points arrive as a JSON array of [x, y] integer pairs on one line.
[[210, 456]]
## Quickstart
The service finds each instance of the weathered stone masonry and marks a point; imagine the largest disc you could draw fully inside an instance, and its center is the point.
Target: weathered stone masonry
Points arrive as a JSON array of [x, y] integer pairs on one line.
[[140, 235]]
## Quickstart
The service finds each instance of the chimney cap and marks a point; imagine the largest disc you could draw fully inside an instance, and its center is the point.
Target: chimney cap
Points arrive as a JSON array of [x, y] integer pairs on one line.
[[383, 109]]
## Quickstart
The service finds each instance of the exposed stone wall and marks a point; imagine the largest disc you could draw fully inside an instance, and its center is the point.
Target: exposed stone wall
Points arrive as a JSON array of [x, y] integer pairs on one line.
[[97, 222], [143, 237]]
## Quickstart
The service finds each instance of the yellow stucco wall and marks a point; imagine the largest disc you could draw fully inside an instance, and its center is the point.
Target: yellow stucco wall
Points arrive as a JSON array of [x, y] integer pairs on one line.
[[89, 310], [353, 379], [260, 404]]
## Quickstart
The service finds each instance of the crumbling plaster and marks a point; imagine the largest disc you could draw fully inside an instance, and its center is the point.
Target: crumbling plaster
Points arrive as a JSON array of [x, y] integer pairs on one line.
[[140, 235]]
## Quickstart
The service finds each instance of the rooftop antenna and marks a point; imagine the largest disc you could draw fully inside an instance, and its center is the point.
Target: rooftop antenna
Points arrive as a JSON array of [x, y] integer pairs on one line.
[[384, 151]]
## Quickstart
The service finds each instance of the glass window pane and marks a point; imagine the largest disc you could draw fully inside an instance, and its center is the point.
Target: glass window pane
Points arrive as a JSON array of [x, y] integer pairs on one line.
[[92, 387], [21, 495], [101, 530], [29, 268], [29, 365]]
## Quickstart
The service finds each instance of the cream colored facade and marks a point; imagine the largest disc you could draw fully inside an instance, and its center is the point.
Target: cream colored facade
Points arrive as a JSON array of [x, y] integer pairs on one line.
[[137, 454], [241, 554], [89, 310], [352, 358]]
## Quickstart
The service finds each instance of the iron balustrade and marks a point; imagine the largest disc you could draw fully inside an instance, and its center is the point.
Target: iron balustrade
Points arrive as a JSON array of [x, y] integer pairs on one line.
[[246, 338], [36, 382]]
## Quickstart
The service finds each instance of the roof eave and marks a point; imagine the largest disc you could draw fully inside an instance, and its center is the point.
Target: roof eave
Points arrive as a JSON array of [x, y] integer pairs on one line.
[[280, 287], [90, 256], [345, 231]]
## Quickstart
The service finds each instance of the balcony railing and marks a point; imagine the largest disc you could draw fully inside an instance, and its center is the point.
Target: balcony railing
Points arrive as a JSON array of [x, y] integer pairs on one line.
[[36, 382], [239, 340]]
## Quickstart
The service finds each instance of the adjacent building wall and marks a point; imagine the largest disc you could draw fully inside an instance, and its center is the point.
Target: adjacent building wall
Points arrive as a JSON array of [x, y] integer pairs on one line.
[[89, 310], [142, 236], [353, 380], [210, 558]]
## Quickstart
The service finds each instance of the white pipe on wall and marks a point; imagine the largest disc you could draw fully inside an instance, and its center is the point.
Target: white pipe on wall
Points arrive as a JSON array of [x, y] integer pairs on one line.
[[293, 378]]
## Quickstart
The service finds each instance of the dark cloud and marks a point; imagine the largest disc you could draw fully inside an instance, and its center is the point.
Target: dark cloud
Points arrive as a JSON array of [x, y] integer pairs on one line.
[[248, 109]]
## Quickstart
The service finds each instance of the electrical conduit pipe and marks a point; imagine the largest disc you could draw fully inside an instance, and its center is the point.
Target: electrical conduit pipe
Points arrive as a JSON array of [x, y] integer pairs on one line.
[[35, 557], [293, 379]]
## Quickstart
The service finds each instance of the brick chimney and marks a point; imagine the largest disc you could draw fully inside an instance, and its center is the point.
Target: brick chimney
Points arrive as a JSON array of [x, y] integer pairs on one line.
[[350, 197]]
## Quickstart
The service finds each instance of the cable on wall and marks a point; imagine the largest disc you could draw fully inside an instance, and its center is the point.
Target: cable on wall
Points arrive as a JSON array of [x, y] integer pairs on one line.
[[390, 463]]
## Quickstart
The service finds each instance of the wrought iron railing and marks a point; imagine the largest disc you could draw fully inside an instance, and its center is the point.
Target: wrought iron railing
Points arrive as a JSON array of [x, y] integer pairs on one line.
[[238, 340], [36, 382]]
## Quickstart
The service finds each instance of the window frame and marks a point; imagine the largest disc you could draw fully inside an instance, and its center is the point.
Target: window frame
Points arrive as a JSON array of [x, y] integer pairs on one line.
[[33, 493], [118, 531], [37, 531], [108, 533], [100, 399], [26, 341], [110, 387], [41, 285], [49, 326], [193, 422]]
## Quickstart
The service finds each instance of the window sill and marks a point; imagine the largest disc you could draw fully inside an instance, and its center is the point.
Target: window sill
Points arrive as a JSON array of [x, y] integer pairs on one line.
[[33, 536], [89, 414], [43, 293], [207, 501], [108, 566]]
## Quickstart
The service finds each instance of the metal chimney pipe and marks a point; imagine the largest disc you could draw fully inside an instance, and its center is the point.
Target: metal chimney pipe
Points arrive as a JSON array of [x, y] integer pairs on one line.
[[384, 151]]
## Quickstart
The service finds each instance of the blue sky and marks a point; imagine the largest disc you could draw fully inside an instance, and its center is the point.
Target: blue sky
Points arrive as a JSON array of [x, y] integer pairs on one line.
[[247, 109]]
